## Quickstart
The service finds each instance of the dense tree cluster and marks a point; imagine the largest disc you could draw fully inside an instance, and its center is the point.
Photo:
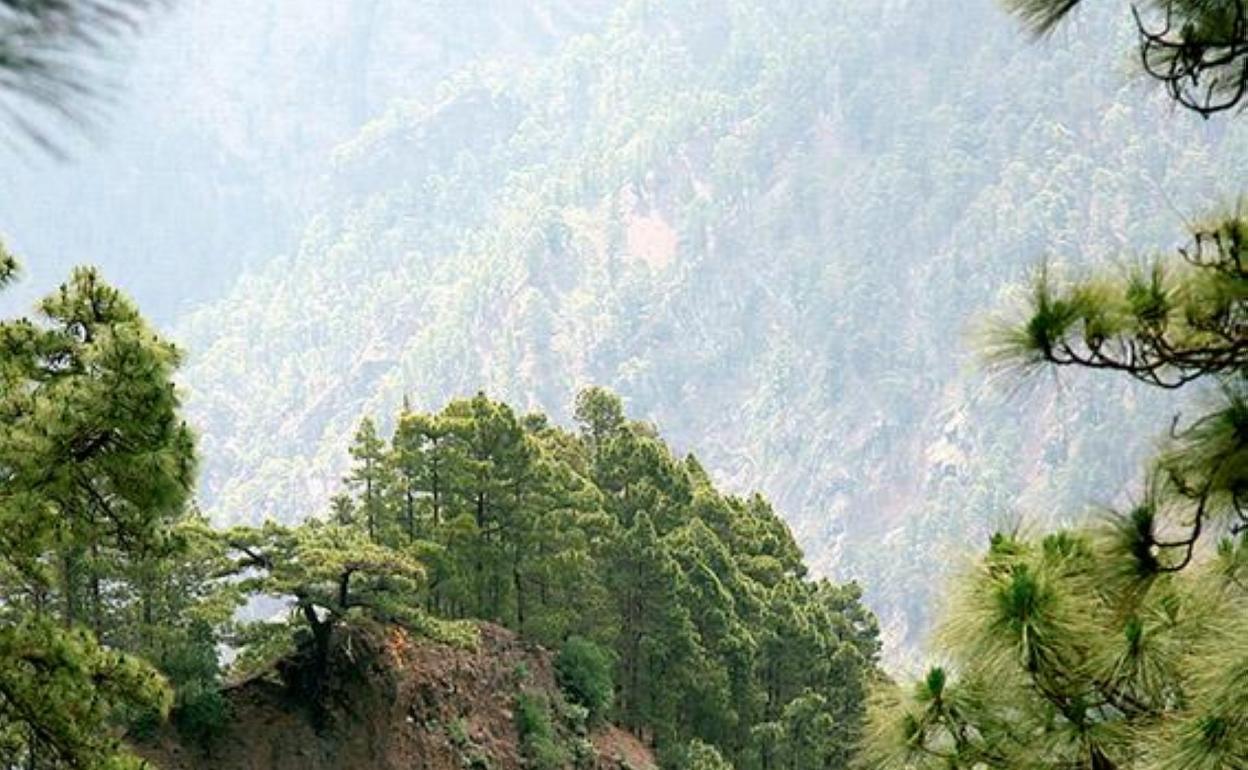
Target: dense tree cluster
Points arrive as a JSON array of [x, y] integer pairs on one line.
[[696, 204], [680, 612], [692, 605]]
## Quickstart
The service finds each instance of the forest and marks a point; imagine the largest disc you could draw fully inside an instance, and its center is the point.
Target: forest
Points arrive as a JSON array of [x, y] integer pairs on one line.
[[466, 477]]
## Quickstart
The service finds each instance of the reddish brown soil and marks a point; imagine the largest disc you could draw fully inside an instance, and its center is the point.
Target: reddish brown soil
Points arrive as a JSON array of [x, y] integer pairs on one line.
[[402, 704]]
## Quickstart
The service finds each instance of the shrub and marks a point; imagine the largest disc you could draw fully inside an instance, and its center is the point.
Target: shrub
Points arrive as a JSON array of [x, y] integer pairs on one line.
[[538, 741], [585, 672]]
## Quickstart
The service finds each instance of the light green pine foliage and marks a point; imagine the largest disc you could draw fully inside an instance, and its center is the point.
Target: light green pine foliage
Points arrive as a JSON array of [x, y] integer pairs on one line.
[[1057, 660], [96, 467]]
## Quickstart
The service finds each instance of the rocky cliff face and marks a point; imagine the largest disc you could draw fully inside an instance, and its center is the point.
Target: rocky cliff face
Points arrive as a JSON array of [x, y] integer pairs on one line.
[[399, 702]]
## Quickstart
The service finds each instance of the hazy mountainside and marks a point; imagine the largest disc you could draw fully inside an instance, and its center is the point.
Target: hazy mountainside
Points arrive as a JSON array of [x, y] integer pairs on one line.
[[211, 154], [768, 225], [402, 702], [763, 226]]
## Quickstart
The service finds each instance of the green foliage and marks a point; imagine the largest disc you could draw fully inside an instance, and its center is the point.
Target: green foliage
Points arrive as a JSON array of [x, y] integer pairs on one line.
[[8, 266], [334, 576], [457, 730], [1062, 663], [62, 692], [600, 414], [201, 710], [678, 611], [585, 672], [1165, 324], [96, 468], [538, 740], [700, 756], [369, 476]]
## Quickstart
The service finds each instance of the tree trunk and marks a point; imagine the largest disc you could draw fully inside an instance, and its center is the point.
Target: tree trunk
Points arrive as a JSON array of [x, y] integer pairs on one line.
[[69, 580], [515, 579], [411, 516], [97, 600]]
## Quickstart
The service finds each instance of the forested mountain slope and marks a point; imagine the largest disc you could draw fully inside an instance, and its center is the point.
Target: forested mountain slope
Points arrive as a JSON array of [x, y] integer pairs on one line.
[[680, 613], [769, 226]]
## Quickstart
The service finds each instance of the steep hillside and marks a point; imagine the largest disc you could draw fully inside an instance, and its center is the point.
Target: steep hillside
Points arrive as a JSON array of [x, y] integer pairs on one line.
[[402, 703], [771, 227]]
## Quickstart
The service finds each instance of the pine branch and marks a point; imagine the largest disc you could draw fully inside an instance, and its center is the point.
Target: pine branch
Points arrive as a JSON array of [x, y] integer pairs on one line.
[[51, 52]]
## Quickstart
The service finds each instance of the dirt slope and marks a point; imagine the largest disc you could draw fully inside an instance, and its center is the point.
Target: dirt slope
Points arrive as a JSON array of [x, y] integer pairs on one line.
[[395, 702]]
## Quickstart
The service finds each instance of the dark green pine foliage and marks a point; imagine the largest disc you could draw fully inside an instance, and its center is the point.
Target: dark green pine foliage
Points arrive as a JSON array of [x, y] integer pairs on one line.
[[679, 612], [368, 477], [8, 267], [657, 645], [586, 672]]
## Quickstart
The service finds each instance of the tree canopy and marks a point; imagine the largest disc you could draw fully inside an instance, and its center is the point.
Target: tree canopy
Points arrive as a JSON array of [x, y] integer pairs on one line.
[[96, 467], [679, 611]]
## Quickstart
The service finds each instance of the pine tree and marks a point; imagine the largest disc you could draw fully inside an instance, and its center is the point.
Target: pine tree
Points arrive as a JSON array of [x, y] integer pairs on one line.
[[369, 477], [95, 468], [600, 414], [331, 574], [657, 645], [1118, 646], [427, 453], [1175, 322], [1061, 660]]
